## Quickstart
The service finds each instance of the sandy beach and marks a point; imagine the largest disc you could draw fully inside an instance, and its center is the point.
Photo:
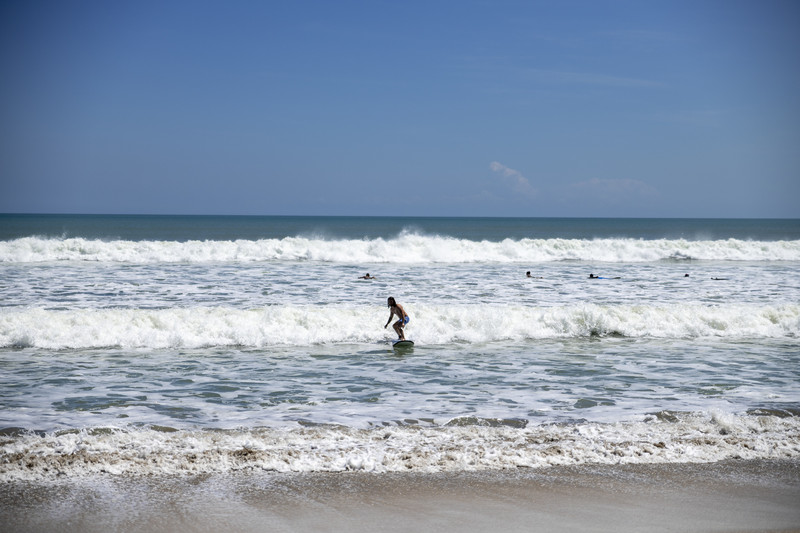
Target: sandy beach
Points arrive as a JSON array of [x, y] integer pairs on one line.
[[729, 496]]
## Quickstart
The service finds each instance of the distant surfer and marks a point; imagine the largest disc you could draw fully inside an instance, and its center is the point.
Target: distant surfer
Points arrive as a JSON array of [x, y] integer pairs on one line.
[[592, 276], [367, 276], [403, 318], [528, 275]]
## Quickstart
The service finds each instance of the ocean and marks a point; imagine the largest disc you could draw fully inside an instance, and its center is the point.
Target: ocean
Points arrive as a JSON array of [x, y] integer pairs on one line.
[[193, 345]]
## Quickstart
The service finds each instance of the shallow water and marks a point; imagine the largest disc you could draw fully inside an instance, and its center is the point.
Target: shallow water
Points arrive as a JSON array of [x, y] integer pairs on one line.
[[267, 341]]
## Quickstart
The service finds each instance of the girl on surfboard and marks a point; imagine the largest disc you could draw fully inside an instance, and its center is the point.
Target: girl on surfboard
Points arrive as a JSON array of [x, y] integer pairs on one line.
[[397, 309]]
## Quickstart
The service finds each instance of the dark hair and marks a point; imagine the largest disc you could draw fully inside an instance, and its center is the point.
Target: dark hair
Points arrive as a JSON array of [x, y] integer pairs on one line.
[[391, 301]]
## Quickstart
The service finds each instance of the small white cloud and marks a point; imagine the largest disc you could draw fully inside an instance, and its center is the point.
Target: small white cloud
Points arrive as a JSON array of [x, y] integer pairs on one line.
[[513, 179]]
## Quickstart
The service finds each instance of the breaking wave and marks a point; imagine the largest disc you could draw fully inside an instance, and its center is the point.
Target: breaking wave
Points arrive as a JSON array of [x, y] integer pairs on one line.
[[431, 324], [448, 447], [406, 248]]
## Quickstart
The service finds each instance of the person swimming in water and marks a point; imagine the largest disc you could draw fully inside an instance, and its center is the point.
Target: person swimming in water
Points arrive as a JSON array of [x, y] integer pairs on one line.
[[397, 309], [367, 276], [592, 276]]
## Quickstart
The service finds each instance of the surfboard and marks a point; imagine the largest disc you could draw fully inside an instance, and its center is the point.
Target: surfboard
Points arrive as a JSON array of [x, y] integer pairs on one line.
[[403, 344]]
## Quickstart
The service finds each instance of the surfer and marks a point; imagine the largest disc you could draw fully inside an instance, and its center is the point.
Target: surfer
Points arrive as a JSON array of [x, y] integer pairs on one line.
[[397, 309], [367, 276]]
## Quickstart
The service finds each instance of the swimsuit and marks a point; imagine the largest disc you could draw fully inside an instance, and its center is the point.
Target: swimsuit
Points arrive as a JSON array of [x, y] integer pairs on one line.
[[406, 319]]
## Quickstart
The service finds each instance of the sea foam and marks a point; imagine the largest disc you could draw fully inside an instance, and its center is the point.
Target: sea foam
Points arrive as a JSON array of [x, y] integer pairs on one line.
[[406, 248], [432, 324], [453, 446]]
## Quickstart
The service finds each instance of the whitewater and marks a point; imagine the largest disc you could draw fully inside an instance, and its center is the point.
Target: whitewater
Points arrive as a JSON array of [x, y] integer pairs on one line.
[[407, 248], [303, 326]]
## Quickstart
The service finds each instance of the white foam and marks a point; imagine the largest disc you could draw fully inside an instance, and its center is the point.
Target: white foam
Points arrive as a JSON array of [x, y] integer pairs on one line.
[[431, 324], [689, 438], [406, 248]]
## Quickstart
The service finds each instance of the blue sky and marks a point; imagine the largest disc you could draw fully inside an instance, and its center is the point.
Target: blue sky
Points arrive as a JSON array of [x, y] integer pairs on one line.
[[462, 108]]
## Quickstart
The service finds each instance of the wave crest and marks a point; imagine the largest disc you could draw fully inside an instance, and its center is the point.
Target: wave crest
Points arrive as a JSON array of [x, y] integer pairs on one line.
[[406, 248], [309, 325]]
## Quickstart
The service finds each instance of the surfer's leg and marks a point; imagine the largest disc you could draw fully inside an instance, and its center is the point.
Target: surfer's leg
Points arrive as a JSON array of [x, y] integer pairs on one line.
[[399, 330]]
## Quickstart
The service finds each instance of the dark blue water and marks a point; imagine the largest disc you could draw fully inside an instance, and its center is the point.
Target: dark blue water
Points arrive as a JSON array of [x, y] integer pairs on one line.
[[223, 228]]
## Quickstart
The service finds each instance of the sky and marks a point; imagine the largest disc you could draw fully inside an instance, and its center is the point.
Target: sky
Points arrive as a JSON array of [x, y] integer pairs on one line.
[[597, 108]]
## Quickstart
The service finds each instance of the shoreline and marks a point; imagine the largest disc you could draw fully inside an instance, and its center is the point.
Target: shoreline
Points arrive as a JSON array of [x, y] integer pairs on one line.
[[728, 496]]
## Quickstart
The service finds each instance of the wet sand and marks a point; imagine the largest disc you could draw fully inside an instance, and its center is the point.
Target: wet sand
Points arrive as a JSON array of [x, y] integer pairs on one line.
[[733, 496]]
